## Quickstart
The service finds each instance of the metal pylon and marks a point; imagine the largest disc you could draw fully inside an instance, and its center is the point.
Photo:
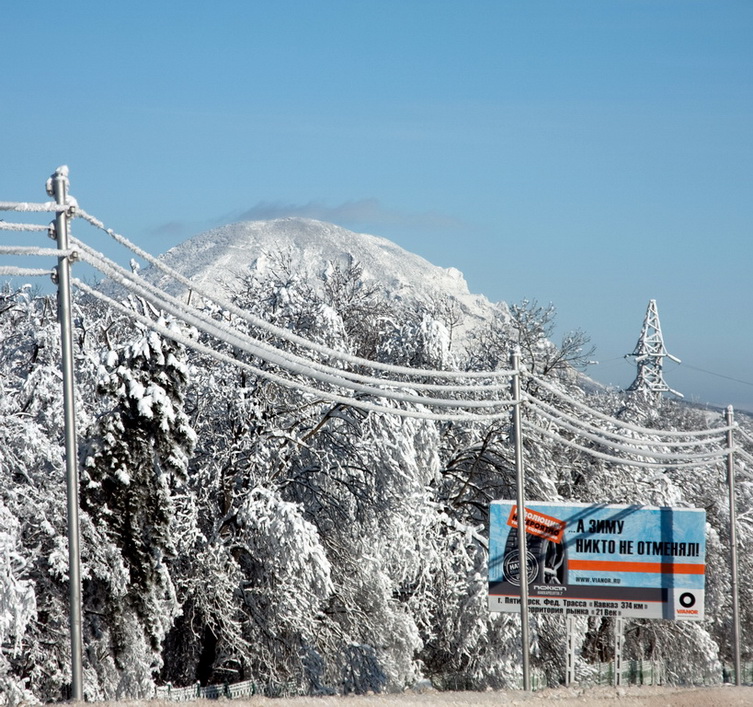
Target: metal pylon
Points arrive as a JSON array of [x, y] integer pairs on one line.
[[649, 354]]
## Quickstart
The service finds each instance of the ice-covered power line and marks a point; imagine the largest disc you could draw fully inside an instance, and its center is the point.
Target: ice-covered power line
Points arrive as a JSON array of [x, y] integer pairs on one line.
[[744, 455], [285, 360], [579, 423], [33, 250], [286, 382], [635, 448], [739, 430], [8, 226], [132, 282], [279, 332], [29, 207], [292, 362], [711, 432], [11, 271], [554, 436]]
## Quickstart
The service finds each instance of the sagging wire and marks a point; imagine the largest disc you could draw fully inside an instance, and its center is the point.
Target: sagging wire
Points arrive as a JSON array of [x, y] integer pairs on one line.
[[711, 432], [619, 460], [555, 414], [291, 362], [280, 332], [276, 378]]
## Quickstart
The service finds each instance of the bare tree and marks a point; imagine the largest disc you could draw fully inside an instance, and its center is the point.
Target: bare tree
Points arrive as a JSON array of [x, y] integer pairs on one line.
[[533, 326]]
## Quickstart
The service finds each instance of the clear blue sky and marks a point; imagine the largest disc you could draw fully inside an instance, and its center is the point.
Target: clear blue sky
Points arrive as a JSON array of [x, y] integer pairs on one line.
[[591, 153]]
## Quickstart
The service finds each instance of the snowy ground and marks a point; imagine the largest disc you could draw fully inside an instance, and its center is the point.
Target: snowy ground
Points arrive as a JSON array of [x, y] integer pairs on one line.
[[561, 697]]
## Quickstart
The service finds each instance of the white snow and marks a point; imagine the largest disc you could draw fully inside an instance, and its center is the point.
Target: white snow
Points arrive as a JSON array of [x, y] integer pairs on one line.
[[221, 256]]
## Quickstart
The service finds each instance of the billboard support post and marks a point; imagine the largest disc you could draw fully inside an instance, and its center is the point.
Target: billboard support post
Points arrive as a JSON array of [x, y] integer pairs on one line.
[[730, 419], [522, 544]]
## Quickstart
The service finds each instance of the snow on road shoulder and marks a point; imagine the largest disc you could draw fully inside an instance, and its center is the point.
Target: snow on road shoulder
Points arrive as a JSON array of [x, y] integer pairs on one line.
[[645, 696]]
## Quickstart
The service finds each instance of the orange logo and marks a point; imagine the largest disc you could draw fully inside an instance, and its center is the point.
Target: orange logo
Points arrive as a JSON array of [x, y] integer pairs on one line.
[[539, 524]]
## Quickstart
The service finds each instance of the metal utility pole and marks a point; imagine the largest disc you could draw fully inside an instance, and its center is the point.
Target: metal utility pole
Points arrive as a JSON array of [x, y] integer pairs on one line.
[[730, 419], [57, 187], [522, 541], [649, 355]]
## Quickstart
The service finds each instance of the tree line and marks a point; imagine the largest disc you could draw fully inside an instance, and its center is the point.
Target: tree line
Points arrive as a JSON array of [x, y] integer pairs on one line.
[[236, 529]]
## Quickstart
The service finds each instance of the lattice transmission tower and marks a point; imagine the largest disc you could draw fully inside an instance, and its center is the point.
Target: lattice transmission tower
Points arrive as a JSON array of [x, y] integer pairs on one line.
[[649, 354]]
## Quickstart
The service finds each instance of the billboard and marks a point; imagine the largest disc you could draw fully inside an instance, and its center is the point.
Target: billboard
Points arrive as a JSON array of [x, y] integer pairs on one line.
[[600, 560]]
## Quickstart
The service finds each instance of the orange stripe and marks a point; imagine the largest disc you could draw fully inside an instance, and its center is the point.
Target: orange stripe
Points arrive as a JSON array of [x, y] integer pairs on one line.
[[616, 566]]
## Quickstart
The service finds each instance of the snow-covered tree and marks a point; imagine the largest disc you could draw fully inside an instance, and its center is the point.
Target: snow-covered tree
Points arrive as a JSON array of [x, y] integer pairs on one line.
[[32, 486], [135, 461], [237, 527], [17, 610]]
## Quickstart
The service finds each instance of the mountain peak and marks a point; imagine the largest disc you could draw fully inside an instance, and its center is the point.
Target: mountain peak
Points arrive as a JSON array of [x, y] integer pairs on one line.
[[223, 256]]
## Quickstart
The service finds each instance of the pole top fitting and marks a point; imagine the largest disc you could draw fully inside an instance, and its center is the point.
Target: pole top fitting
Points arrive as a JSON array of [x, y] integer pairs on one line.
[[516, 358], [60, 174]]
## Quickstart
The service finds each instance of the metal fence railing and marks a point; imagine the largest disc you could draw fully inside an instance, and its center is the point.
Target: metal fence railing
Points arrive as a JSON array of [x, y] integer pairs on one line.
[[247, 688], [746, 673], [635, 672], [656, 672]]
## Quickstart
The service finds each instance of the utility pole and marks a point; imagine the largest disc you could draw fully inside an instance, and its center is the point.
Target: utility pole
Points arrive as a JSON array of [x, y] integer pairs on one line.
[[649, 354], [522, 541], [730, 420], [57, 187]]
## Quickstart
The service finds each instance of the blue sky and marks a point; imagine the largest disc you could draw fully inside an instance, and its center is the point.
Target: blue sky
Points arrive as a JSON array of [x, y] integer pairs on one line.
[[592, 153]]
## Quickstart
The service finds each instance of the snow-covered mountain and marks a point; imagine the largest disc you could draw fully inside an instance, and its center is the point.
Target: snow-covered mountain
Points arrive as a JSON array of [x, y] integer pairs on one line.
[[220, 258]]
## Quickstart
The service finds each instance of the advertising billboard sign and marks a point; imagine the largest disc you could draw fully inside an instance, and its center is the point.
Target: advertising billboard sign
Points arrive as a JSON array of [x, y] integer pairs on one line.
[[600, 560]]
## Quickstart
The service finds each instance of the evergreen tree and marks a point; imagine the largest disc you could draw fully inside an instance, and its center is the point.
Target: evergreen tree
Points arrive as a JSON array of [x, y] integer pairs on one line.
[[135, 462]]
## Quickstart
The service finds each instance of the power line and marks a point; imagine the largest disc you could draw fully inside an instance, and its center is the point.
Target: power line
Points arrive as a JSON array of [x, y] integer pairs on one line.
[[291, 362], [718, 375], [621, 423], [279, 332], [27, 207], [556, 437], [645, 452], [299, 368], [286, 382], [580, 423]]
